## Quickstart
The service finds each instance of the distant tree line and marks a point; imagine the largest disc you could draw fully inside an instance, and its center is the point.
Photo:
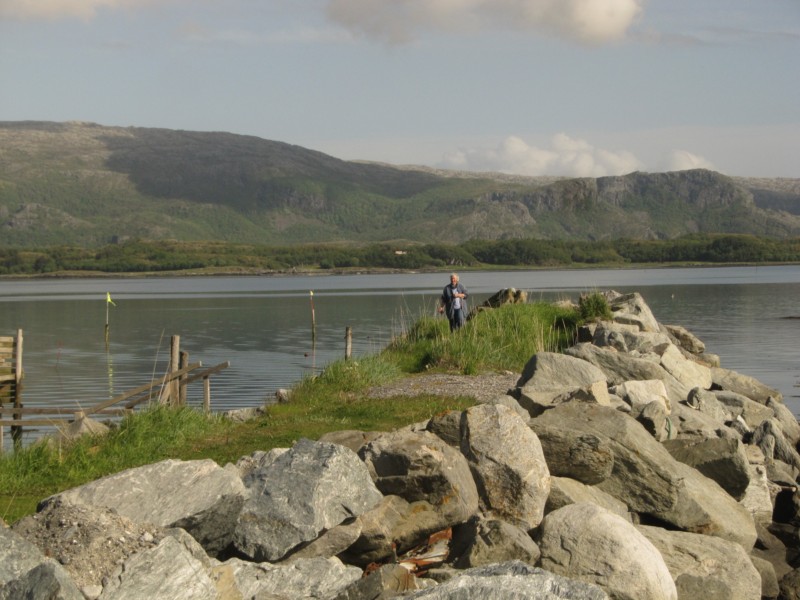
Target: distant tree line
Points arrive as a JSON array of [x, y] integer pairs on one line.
[[153, 256]]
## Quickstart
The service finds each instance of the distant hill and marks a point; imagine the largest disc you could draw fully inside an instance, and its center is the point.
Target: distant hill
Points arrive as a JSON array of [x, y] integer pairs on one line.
[[87, 184]]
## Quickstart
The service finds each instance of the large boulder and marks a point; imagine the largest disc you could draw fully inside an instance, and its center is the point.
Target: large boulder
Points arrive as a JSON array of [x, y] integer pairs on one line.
[[176, 569], [313, 487], [582, 456], [555, 371], [686, 339], [650, 481], [639, 394], [752, 412], [507, 463], [198, 496], [620, 367], [90, 542], [591, 544], [722, 459], [306, 578], [633, 310], [564, 491], [688, 372], [510, 581], [706, 567], [485, 542], [628, 338], [26, 573], [725, 379], [419, 466]]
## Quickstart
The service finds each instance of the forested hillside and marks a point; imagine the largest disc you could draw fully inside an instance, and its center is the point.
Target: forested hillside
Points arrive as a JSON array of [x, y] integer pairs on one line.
[[84, 184]]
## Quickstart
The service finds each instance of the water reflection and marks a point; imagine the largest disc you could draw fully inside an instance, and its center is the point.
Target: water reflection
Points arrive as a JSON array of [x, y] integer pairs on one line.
[[262, 325]]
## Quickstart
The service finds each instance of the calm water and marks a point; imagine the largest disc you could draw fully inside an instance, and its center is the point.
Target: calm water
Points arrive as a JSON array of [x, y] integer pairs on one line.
[[262, 325]]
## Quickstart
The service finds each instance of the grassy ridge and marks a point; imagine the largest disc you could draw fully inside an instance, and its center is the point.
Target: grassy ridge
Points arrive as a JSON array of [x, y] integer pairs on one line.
[[500, 339]]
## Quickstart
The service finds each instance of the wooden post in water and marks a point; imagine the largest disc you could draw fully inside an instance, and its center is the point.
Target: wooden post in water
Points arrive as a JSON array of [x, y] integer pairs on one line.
[[184, 362], [207, 395], [16, 431], [348, 342], [313, 317], [174, 360]]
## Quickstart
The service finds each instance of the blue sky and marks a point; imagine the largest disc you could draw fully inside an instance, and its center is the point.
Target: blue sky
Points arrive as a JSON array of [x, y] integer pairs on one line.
[[553, 87]]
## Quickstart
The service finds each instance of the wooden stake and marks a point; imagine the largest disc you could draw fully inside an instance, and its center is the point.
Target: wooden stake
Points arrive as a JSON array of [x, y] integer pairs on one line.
[[348, 343], [313, 316], [174, 360]]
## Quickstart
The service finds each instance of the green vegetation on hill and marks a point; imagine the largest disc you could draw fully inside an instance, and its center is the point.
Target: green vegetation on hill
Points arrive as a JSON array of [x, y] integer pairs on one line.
[[500, 339], [150, 257], [82, 184]]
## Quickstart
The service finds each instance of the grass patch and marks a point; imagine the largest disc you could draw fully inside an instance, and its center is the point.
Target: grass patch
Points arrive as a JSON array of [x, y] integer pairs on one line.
[[504, 338], [499, 339]]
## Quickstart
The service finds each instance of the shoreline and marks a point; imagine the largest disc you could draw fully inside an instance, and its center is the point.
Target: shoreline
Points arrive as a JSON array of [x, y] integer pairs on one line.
[[375, 271]]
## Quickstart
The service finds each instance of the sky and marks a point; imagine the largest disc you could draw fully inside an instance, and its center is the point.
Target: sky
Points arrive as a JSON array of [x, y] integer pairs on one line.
[[583, 88]]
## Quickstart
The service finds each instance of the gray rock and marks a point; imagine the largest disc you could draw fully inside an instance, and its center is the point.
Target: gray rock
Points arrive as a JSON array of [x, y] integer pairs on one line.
[[769, 580], [752, 412], [688, 422], [790, 585], [632, 309], [304, 578], [579, 455], [419, 466], [385, 525], [707, 403], [173, 570], [619, 367], [507, 463], [494, 541], [26, 573], [745, 385], [305, 491], [330, 543], [757, 499], [688, 372], [686, 339], [257, 460], [198, 496], [511, 581], [706, 567], [648, 480], [769, 437], [722, 459], [639, 394], [654, 419], [350, 438], [564, 491], [510, 402], [535, 401], [789, 424], [555, 371], [628, 338], [387, 581], [591, 544]]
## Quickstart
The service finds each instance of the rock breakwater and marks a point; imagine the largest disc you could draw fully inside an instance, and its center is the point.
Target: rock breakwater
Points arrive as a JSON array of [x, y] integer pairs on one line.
[[632, 466]]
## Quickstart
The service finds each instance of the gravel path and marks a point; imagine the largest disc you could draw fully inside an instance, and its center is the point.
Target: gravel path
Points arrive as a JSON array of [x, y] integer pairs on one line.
[[481, 387]]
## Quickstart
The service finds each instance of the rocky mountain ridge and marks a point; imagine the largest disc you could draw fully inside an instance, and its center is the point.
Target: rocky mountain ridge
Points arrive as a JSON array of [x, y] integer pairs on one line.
[[87, 184]]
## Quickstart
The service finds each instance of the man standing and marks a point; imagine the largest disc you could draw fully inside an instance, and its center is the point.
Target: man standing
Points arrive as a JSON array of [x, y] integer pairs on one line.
[[454, 302]]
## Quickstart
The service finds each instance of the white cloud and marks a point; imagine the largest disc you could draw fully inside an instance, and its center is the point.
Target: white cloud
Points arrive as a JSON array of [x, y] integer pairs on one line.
[[565, 156], [58, 9], [682, 160], [590, 21]]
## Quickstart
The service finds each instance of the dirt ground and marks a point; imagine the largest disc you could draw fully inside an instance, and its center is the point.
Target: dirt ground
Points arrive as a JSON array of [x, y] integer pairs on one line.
[[89, 543], [481, 387]]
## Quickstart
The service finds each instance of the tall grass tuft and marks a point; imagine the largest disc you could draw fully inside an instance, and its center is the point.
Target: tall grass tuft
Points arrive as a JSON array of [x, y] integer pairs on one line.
[[504, 338], [594, 307]]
